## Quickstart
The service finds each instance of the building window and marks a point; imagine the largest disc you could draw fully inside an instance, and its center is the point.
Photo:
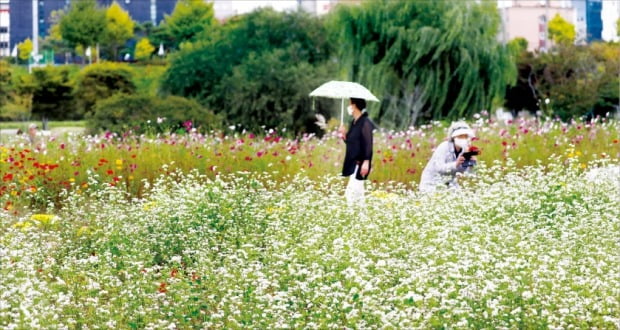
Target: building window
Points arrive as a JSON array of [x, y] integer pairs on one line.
[[4, 29], [4, 44]]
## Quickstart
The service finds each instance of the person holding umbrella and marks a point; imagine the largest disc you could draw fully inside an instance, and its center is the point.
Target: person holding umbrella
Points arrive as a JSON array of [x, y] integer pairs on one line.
[[358, 139], [358, 156]]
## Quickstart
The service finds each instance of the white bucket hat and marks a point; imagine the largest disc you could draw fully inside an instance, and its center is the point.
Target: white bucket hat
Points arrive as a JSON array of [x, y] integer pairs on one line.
[[460, 128]]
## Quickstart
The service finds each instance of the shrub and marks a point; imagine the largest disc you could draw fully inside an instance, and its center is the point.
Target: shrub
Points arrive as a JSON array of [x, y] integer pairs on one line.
[[5, 82], [263, 64], [100, 81], [51, 91], [146, 114]]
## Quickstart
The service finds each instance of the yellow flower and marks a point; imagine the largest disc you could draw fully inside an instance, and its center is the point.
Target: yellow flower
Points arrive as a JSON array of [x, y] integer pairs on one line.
[[43, 219], [381, 194], [84, 230], [271, 210], [71, 179], [119, 162], [13, 193], [22, 225], [149, 206]]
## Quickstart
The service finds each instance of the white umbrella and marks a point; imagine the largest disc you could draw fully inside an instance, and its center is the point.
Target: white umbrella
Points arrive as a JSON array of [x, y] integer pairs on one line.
[[343, 90]]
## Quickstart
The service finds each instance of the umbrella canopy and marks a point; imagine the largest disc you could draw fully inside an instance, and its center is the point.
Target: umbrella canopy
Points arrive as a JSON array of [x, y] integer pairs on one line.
[[343, 90]]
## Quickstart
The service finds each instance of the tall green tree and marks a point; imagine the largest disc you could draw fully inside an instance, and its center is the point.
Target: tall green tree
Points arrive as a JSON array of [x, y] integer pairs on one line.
[[561, 31], [571, 82], [51, 90], [425, 59], [189, 19], [243, 70], [119, 28], [84, 24], [270, 90]]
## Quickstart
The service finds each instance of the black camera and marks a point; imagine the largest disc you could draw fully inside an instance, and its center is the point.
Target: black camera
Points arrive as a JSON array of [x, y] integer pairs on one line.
[[468, 162]]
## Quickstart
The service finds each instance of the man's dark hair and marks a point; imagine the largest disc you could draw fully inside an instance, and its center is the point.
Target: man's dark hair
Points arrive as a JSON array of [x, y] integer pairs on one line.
[[359, 103]]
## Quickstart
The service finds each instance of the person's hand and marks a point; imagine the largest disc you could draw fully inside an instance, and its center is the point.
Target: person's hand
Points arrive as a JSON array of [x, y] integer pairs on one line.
[[365, 168], [342, 132], [460, 161]]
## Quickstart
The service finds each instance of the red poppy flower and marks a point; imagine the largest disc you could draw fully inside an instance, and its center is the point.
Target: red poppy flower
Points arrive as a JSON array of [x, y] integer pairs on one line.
[[162, 287]]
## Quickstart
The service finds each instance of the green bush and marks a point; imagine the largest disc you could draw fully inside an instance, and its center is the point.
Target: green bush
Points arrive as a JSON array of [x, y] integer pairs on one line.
[[147, 77], [570, 82], [274, 87], [100, 81], [5, 82], [257, 70], [146, 114], [51, 92]]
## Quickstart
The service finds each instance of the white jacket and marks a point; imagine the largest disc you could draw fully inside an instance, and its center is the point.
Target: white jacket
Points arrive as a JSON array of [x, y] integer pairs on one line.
[[441, 169]]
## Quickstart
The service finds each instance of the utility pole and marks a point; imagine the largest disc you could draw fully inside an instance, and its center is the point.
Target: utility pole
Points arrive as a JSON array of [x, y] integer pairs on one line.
[[35, 27], [153, 9]]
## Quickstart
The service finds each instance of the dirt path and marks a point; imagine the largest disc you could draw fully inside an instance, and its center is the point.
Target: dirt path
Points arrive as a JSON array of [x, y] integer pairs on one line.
[[7, 133]]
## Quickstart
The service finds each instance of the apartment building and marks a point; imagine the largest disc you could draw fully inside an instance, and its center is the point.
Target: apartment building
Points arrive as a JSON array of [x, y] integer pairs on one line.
[[594, 20], [5, 25], [529, 20]]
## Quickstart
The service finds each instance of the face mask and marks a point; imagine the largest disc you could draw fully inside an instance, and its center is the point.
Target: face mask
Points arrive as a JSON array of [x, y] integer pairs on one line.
[[350, 110], [462, 143]]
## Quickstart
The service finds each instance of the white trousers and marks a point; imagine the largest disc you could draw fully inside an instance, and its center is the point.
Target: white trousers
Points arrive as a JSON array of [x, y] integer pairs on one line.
[[354, 193]]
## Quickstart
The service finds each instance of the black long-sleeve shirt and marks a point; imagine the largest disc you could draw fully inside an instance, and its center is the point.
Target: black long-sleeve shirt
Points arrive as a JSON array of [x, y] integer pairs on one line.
[[359, 146]]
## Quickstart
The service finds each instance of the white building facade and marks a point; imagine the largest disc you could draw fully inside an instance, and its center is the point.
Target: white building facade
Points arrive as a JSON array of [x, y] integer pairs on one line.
[[5, 25], [610, 14]]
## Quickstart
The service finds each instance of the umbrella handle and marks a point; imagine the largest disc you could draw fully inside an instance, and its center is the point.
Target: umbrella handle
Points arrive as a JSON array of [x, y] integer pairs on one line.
[[341, 111]]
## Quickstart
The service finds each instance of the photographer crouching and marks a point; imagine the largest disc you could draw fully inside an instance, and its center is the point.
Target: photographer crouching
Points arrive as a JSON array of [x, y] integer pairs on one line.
[[450, 159]]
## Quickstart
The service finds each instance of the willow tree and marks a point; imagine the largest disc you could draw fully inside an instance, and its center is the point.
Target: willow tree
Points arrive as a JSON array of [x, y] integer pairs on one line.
[[425, 59]]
